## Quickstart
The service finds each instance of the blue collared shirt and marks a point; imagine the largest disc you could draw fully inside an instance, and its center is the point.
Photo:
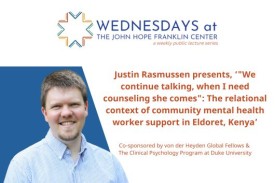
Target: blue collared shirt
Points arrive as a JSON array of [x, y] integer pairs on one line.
[[50, 161]]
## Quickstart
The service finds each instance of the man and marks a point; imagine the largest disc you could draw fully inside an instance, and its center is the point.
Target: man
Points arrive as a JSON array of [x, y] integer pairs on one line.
[[64, 155]]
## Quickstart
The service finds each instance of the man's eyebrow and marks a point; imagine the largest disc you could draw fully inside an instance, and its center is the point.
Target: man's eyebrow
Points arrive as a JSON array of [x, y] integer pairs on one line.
[[53, 102]]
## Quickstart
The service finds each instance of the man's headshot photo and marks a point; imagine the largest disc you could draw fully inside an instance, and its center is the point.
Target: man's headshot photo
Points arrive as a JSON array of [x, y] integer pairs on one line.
[[64, 155]]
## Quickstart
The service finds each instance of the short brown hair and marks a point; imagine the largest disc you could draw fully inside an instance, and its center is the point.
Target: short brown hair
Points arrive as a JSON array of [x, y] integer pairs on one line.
[[62, 79]]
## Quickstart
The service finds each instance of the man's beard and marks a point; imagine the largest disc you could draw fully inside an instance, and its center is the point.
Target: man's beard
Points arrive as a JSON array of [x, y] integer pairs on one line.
[[68, 137]]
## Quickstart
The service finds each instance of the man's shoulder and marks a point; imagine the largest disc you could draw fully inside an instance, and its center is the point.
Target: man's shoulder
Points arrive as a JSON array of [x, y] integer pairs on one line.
[[31, 151], [99, 152], [96, 149], [107, 162]]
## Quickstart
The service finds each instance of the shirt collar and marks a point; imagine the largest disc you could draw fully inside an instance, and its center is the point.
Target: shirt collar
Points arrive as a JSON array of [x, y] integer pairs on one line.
[[60, 148]]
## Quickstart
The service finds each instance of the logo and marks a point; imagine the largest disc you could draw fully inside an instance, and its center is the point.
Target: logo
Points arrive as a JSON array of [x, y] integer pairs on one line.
[[75, 29]]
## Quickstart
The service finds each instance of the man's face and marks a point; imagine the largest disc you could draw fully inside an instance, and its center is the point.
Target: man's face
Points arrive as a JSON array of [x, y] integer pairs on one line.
[[65, 111]]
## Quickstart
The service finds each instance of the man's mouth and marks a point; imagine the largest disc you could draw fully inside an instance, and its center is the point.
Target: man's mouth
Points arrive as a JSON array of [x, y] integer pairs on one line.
[[67, 123]]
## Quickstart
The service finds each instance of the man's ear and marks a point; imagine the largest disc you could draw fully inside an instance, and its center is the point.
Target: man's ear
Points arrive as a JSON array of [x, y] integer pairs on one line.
[[44, 112], [86, 107]]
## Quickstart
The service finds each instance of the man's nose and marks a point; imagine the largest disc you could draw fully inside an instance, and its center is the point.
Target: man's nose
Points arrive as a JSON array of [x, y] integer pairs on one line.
[[66, 112]]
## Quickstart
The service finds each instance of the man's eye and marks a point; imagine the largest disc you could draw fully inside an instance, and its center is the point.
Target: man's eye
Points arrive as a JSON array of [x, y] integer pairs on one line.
[[55, 107], [75, 105]]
